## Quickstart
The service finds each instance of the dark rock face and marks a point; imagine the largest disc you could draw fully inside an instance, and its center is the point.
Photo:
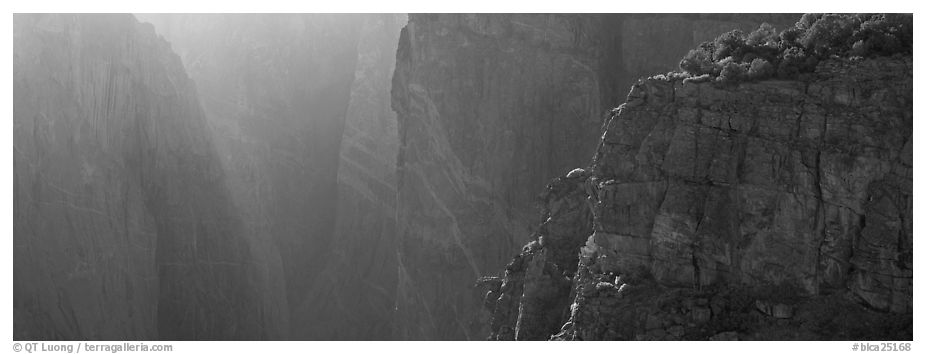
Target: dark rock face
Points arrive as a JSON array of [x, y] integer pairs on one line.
[[276, 90], [124, 227], [487, 106], [490, 108], [528, 302], [768, 210]]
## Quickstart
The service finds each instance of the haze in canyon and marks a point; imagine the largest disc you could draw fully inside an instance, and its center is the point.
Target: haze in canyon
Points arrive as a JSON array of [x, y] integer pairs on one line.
[[462, 176]]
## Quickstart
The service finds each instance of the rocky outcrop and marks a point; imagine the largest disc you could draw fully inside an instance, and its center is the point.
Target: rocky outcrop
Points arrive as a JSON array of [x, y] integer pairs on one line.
[[767, 210], [276, 90], [123, 226], [490, 108], [528, 302]]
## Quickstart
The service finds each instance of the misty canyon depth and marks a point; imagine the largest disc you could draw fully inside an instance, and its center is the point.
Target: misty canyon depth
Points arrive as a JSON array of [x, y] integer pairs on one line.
[[462, 177]]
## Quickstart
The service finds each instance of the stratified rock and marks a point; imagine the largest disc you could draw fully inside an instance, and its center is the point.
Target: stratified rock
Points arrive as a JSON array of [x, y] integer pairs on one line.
[[123, 225], [777, 182], [787, 196], [490, 108], [537, 284]]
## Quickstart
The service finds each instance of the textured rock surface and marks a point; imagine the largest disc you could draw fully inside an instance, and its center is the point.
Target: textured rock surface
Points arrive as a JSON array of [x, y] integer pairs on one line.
[[490, 108], [122, 220], [276, 89], [769, 210], [354, 297], [532, 298]]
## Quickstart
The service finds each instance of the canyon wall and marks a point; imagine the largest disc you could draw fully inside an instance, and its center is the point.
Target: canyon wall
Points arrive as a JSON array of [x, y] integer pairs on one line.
[[276, 89], [277, 92], [354, 296], [490, 108], [124, 227], [768, 210], [281, 191]]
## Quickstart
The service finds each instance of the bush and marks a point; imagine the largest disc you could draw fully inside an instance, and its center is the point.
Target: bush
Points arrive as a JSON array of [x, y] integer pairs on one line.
[[760, 69], [764, 53], [883, 35], [790, 36], [765, 35], [671, 76], [807, 21], [830, 34], [732, 71], [698, 61], [697, 79], [729, 44], [794, 60], [762, 43]]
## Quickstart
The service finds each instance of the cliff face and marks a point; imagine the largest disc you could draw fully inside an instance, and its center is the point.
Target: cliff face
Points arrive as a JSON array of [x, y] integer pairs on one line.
[[276, 90], [354, 296], [122, 220], [767, 210], [490, 107]]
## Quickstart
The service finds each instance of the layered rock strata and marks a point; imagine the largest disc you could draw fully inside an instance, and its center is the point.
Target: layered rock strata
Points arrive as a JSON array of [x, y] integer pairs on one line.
[[768, 210], [490, 108]]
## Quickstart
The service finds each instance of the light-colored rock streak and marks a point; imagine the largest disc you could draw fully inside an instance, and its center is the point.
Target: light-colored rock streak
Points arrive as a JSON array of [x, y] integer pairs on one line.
[[455, 231]]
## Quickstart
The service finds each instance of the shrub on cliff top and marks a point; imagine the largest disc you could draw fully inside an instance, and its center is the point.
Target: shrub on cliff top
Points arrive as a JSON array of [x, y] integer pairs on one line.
[[732, 71], [699, 61], [730, 44], [760, 69], [765, 53]]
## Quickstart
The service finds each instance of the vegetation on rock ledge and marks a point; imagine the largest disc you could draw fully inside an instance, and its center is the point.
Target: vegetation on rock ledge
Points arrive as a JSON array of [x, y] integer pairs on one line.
[[736, 56]]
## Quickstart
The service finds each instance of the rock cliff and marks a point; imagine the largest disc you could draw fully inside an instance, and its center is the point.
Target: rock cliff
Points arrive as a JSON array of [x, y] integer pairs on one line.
[[490, 108], [122, 218], [354, 296], [778, 209], [281, 197], [276, 90]]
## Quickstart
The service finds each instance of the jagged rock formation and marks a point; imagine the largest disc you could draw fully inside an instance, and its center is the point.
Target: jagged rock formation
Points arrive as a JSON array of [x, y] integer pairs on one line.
[[276, 89], [123, 224], [766, 210], [490, 108], [528, 302], [488, 105]]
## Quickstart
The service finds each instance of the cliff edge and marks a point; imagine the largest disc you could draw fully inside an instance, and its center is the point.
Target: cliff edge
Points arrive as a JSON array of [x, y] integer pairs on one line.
[[773, 209]]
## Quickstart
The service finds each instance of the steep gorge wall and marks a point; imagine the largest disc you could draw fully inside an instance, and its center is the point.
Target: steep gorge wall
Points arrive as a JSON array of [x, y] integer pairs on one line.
[[276, 90], [354, 296], [123, 226], [767, 210], [490, 108]]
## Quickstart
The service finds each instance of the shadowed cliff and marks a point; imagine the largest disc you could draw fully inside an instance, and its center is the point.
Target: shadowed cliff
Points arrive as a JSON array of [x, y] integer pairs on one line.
[[490, 108], [122, 218], [766, 209]]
